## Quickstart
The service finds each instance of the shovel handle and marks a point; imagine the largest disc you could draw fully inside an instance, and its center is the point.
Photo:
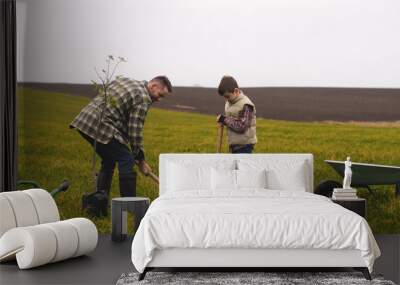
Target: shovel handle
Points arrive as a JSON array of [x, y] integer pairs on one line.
[[154, 177], [220, 136], [151, 174]]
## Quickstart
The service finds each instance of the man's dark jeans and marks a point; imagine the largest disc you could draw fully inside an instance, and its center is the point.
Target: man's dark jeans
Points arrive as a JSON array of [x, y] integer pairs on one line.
[[112, 153], [248, 148]]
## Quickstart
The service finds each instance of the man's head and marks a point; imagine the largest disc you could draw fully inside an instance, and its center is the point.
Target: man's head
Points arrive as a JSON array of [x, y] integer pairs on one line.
[[228, 88], [159, 87]]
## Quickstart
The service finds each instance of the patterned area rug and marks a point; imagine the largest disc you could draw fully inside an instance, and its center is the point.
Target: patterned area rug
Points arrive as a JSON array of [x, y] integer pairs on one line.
[[270, 278]]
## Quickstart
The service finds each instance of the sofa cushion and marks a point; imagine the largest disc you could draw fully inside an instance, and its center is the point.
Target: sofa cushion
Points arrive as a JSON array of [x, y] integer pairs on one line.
[[7, 220], [37, 245], [26, 208]]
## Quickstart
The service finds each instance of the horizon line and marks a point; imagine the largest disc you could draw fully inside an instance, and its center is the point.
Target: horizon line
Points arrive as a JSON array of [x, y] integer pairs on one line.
[[241, 87]]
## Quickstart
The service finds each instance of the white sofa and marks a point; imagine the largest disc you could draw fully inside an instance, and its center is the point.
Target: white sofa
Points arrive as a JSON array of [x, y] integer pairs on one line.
[[31, 231]]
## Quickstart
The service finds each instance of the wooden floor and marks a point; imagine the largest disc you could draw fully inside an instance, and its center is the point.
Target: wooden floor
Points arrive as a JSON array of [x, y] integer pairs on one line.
[[110, 260]]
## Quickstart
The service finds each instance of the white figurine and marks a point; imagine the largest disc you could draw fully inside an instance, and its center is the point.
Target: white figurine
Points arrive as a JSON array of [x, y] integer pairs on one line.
[[347, 174]]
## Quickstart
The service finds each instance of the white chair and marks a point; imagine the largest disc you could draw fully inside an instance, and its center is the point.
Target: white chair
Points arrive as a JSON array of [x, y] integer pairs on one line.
[[31, 231]]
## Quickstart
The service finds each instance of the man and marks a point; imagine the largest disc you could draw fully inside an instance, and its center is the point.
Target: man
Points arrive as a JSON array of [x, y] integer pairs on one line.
[[119, 135], [240, 117]]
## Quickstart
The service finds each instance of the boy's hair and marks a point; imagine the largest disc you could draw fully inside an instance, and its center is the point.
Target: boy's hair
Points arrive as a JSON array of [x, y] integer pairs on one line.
[[164, 81], [227, 84]]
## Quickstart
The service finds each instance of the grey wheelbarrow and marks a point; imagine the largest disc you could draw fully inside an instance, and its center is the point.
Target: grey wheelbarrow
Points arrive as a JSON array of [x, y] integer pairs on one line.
[[61, 188], [364, 176]]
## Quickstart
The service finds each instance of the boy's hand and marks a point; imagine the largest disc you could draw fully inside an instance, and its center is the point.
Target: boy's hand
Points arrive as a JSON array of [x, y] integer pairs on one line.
[[220, 119], [144, 167]]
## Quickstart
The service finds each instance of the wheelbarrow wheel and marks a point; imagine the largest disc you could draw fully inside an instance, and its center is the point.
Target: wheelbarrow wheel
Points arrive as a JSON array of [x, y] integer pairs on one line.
[[325, 188]]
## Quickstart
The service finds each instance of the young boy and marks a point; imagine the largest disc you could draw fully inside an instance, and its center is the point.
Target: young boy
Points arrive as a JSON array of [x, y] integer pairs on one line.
[[240, 117]]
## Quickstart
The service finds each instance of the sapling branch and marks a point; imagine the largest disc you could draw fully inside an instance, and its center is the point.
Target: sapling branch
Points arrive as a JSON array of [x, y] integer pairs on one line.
[[103, 92]]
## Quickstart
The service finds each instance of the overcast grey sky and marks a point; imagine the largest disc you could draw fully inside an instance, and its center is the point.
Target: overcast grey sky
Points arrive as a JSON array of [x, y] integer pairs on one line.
[[338, 43]]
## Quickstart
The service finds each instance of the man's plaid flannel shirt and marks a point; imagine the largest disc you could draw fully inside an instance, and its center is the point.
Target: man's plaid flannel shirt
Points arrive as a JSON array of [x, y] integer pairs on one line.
[[123, 118]]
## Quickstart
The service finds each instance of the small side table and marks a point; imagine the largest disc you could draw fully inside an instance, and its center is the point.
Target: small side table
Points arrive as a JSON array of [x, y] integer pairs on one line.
[[119, 207], [358, 206]]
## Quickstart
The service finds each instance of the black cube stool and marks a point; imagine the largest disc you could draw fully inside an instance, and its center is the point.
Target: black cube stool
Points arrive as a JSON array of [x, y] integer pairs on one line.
[[119, 207]]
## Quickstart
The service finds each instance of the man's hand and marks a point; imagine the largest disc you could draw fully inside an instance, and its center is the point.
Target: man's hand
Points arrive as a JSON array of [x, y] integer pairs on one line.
[[144, 167]]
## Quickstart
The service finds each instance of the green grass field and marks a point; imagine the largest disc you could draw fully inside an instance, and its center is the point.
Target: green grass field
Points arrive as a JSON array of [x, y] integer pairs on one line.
[[49, 151]]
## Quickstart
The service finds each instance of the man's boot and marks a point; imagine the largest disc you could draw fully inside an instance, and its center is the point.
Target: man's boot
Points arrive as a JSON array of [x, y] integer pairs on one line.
[[96, 203], [104, 180], [127, 184]]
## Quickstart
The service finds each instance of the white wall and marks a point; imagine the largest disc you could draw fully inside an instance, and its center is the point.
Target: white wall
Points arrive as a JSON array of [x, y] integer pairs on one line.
[[340, 43]]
